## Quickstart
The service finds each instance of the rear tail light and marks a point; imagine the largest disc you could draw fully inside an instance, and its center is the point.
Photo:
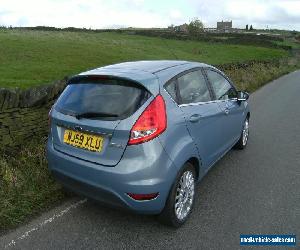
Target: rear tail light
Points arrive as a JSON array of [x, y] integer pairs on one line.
[[143, 197], [151, 123]]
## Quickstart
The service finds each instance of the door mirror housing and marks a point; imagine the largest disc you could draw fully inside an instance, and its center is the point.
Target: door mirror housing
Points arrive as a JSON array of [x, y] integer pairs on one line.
[[242, 96]]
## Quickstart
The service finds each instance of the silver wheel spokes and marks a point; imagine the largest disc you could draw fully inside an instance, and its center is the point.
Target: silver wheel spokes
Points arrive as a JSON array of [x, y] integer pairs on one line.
[[245, 132], [184, 195]]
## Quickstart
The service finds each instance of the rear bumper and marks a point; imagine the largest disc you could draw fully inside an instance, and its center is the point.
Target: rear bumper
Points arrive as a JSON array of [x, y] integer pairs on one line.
[[88, 190], [143, 169]]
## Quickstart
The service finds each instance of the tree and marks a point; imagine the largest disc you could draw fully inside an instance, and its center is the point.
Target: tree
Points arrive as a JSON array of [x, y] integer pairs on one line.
[[251, 27], [247, 27], [195, 26], [171, 27]]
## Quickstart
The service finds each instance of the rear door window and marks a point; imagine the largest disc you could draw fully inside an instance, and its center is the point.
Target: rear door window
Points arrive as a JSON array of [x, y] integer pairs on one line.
[[114, 99], [193, 88]]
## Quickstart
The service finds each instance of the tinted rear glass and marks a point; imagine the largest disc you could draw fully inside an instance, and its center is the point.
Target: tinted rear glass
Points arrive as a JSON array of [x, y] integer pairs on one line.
[[118, 97]]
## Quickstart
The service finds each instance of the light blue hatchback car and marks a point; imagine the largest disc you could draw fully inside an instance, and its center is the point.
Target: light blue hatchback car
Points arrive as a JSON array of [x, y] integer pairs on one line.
[[138, 135]]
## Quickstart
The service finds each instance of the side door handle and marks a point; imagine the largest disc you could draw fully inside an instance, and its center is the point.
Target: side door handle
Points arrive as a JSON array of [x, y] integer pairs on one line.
[[195, 118]]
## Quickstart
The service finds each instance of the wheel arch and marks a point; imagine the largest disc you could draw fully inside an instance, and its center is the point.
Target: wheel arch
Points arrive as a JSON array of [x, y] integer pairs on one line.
[[196, 164], [248, 115]]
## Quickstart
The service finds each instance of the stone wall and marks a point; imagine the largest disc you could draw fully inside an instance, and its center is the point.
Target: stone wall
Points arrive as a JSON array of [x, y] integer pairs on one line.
[[24, 113]]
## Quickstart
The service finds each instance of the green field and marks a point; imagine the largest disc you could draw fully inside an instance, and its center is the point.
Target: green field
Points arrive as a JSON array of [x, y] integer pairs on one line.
[[29, 58]]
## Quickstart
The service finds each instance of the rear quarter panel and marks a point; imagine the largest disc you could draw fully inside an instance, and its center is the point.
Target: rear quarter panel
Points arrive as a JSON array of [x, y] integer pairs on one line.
[[176, 140]]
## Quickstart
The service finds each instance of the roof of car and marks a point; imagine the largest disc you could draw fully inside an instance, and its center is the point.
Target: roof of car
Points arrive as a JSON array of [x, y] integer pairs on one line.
[[151, 66], [148, 73]]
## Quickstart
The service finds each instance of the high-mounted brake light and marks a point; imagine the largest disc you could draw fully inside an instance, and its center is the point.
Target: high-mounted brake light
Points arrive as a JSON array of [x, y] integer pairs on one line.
[[98, 78], [151, 123]]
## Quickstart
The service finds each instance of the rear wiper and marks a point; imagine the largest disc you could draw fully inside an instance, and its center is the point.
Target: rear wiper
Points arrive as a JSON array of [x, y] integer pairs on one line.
[[95, 115]]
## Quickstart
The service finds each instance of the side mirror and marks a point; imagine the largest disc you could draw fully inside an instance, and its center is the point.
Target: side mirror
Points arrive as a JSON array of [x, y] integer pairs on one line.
[[242, 96]]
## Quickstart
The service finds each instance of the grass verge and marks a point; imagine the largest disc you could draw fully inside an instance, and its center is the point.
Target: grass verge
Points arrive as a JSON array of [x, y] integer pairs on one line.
[[255, 76], [26, 186]]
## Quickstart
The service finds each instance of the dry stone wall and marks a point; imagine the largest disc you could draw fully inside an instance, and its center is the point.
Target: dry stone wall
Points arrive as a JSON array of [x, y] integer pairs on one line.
[[24, 113]]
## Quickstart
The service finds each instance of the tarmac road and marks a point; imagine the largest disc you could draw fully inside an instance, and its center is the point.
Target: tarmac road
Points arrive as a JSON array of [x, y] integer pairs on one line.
[[255, 191]]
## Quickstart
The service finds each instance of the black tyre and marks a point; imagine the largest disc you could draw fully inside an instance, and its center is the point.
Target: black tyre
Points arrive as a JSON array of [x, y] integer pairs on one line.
[[242, 142], [181, 198]]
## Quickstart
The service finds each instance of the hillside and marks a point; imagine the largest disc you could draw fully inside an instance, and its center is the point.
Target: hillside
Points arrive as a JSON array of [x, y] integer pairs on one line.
[[30, 58]]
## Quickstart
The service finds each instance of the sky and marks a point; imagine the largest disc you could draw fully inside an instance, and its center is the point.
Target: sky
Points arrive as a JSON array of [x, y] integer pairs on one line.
[[280, 14]]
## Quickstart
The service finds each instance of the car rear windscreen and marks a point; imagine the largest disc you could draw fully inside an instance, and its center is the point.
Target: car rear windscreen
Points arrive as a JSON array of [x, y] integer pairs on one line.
[[112, 99]]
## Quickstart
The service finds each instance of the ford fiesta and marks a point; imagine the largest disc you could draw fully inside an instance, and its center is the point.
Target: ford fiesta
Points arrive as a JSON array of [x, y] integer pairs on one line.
[[139, 135]]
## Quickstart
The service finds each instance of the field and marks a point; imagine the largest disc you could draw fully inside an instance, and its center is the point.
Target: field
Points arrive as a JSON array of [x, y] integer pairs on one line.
[[30, 58]]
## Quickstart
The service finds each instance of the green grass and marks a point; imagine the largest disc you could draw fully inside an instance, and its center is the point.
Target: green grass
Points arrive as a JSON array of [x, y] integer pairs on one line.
[[257, 75], [25, 185], [30, 58], [289, 42]]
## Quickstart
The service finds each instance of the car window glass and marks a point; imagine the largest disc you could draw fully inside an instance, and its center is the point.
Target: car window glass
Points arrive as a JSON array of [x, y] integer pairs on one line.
[[171, 88], [193, 88], [222, 88], [110, 96]]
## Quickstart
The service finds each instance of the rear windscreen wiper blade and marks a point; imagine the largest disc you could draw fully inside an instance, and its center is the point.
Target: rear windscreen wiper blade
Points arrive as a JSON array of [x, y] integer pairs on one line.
[[95, 115]]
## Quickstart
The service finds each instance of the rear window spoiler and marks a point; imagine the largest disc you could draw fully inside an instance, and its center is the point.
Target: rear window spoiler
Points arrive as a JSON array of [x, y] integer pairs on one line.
[[98, 78], [103, 78]]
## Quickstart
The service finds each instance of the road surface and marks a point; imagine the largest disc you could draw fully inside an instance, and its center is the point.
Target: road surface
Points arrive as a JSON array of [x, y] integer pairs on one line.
[[255, 191]]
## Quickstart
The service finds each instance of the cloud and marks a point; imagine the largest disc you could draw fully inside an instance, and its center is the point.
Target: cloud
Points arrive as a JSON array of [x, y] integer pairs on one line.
[[176, 17], [149, 13], [277, 13], [79, 13]]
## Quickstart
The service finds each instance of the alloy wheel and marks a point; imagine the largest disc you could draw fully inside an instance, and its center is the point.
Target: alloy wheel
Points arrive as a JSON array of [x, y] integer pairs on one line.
[[245, 132], [184, 195]]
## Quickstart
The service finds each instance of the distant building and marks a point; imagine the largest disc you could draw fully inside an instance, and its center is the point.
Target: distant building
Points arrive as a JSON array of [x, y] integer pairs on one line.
[[181, 28], [224, 26], [210, 30]]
